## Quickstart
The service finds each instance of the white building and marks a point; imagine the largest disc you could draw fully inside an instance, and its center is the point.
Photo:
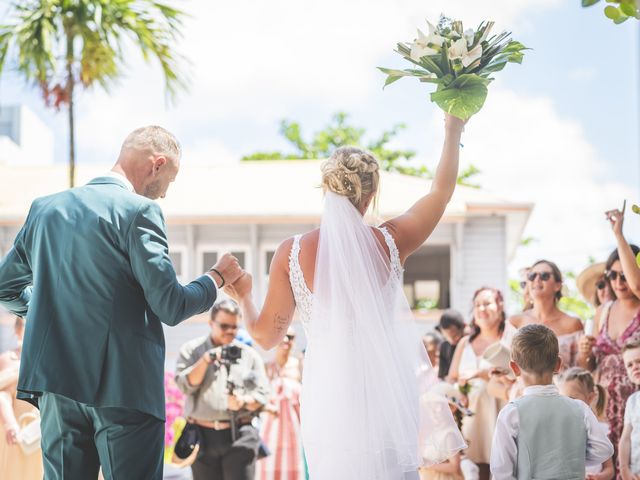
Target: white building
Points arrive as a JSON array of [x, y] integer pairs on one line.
[[249, 208], [24, 138]]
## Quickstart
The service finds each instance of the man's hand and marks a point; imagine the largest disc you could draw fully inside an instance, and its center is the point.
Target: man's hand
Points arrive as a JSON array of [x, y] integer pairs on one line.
[[208, 359], [234, 403], [228, 268], [241, 288]]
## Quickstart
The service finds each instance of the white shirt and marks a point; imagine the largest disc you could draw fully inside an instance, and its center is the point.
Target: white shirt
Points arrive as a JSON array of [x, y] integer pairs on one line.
[[129, 186], [504, 451], [632, 417], [122, 178]]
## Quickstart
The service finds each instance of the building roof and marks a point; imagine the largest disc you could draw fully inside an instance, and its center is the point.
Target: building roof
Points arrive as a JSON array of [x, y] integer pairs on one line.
[[255, 192]]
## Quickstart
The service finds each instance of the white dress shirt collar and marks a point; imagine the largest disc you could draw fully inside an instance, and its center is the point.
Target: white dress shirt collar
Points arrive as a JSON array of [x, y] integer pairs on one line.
[[544, 390], [122, 178]]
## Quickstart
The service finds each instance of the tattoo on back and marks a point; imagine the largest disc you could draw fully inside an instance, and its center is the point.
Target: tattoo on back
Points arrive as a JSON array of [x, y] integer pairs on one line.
[[280, 323]]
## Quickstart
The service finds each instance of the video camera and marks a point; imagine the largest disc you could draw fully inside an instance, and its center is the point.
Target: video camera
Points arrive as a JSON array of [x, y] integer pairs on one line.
[[229, 354]]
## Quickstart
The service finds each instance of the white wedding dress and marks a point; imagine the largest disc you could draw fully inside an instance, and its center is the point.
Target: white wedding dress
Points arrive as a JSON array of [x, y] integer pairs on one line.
[[367, 413]]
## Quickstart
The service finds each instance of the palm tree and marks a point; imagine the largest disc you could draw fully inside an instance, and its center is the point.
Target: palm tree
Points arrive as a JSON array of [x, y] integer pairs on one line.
[[59, 45]]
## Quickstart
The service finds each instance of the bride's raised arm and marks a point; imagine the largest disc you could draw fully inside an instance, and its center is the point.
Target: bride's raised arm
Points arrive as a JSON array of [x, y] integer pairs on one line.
[[412, 228], [268, 326]]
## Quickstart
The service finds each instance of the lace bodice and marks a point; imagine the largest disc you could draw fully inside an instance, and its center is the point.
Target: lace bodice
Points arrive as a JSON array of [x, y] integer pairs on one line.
[[301, 293]]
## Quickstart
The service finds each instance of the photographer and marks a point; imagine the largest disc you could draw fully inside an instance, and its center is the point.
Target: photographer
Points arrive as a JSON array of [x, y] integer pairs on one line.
[[226, 386]]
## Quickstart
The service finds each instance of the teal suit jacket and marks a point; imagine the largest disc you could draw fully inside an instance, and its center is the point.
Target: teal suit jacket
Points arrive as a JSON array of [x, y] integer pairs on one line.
[[90, 270]]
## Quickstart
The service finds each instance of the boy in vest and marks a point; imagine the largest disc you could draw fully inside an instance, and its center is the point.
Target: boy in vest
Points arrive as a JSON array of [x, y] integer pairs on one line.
[[629, 448], [543, 435]]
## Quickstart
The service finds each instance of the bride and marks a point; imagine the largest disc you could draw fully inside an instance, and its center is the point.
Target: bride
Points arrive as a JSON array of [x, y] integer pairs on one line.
[[367, 413]]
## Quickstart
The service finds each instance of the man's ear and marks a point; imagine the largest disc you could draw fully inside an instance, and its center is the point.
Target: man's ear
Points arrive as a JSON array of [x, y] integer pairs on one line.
[[516, 369], [158, 162]]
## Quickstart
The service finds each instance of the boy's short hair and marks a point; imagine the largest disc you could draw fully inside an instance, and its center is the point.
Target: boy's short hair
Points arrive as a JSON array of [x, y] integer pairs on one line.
[[450, 318], [631, 344], [535, 349]]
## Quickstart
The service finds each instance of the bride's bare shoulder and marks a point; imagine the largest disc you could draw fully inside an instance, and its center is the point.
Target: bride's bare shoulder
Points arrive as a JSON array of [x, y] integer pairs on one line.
[[282, 253]]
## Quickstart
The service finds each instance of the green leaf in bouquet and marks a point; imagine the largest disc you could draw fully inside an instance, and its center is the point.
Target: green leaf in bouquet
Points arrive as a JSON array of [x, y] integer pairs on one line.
[[494, 66], [612, 12], [444, 60], [628, 9], [621, 19], [514, 46], [395, 75], [588, 3], [430, 64], [515, 57], [463, 97]]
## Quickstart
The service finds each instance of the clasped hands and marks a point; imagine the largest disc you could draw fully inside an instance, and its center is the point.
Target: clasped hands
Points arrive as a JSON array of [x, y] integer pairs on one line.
[[228, 274]]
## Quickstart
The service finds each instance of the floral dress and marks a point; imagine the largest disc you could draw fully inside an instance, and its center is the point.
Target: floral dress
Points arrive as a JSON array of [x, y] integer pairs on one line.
[[281, 431], [612, 374]]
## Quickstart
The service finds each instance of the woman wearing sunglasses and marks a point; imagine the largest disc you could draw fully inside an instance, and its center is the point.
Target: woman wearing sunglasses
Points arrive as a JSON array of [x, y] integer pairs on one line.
[[615, 323], [593, 286], [544, 282]]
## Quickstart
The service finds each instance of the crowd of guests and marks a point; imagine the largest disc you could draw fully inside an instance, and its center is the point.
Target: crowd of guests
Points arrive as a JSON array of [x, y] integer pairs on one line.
[[599, 365]]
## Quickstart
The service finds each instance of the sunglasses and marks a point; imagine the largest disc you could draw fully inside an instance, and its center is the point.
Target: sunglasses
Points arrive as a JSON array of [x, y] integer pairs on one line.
[[544, 276], [290, 338], [226, 326], [612, 275], [601, 284]]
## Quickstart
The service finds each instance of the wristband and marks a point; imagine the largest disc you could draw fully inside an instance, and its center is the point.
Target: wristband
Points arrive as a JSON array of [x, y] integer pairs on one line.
[[220, 275]]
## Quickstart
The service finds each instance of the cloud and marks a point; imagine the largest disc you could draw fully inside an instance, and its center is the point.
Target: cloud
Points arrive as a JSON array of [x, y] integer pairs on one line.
[[528, 152], [254, 62]]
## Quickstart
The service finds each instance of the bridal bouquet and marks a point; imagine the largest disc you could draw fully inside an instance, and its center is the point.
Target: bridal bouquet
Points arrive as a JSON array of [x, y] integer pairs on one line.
[[460, 62]]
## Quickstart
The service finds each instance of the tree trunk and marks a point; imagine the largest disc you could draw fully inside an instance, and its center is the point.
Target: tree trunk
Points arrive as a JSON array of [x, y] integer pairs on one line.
[[70, 85], [72, 150]]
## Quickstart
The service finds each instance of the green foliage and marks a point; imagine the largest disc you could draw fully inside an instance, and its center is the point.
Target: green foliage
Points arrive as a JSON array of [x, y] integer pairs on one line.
[[57, 45], [425, 304], [463, 97], [618, 10], [340, 133], [90, 36]]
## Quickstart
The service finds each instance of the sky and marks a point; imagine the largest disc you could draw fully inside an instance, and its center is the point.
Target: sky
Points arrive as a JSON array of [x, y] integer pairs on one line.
[[560, 130]]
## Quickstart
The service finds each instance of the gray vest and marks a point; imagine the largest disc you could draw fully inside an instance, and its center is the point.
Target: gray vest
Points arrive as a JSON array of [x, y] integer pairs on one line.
[[552, 439]]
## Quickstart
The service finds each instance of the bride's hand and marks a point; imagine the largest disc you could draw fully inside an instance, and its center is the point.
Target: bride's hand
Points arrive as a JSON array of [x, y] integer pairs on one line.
[[454, 123], [241, 287]]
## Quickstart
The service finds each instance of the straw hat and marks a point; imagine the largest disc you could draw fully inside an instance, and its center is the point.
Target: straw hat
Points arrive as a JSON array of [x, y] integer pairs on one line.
[[586, 281]]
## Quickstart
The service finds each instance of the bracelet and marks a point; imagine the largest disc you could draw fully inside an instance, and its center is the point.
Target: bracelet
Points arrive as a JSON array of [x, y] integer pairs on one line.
[[220, 275]]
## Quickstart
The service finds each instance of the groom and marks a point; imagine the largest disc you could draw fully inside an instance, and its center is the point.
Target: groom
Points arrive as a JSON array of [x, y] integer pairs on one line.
[[90, 270]]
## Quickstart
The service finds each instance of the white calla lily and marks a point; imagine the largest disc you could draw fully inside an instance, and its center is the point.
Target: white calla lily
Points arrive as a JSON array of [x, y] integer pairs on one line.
[[458, 49], [424, 44], [471, 56]]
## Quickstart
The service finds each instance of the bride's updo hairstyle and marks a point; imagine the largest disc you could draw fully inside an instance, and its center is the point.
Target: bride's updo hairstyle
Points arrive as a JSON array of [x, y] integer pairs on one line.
[[351, 172]]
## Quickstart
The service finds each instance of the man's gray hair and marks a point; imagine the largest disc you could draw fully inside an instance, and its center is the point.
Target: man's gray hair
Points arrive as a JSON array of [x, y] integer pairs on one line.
[[155, 139]]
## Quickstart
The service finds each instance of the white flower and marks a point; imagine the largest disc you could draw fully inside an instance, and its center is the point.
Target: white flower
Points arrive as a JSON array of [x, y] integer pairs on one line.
[[458, 51], [469, 35], [424, 44], [472, 56]]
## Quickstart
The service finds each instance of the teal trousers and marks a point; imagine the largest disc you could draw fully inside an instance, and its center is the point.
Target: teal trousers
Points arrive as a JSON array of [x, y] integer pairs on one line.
[[78, 439]]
